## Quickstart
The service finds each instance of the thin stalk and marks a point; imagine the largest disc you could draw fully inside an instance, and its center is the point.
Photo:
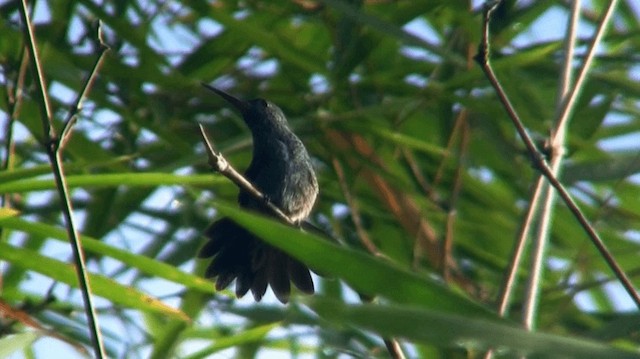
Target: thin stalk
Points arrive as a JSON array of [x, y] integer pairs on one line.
[[508, 284], [566, 103], [539, 161], [52, 145], [558, 139]]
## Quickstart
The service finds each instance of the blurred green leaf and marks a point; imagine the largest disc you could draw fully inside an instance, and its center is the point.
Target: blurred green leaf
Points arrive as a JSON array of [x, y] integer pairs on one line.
[[148, 266], [100, 285], [14, 342], [364, 273], [456, 330], [112, 180]]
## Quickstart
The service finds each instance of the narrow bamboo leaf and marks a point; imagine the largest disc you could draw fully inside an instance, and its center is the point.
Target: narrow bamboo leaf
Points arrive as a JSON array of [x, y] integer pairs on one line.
[[455, 330], [102, 286], [112, 180], [616, 167], [69, 168], [146, 265], [244, 337], [410, 142], [361, 271], [170, 335], [6, 212], [14, 342], [22, 173]]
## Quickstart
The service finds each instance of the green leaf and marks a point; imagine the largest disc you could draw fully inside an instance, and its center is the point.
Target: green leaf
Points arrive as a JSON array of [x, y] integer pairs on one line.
[[8, 212], [12, 343], [428, 326], [102, 286], [111, 180], [249, 336], [617, 167], [363, 272], [147, 265]]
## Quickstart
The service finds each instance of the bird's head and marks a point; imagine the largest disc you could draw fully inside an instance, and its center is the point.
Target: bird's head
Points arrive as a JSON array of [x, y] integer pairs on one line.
[[259, 114]]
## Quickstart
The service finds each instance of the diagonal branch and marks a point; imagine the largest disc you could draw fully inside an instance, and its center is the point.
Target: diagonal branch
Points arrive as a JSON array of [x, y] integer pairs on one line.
[[355, 210], [482, 58]]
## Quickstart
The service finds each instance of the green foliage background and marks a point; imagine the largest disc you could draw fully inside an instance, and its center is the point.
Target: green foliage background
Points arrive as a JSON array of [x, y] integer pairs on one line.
[[411, 147]]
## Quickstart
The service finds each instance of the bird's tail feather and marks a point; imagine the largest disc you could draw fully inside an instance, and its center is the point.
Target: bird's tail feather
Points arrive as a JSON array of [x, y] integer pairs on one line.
[[238, 254]]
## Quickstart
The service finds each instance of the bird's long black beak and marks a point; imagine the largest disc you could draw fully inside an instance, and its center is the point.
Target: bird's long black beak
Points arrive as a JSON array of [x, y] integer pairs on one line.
[[242, 106]]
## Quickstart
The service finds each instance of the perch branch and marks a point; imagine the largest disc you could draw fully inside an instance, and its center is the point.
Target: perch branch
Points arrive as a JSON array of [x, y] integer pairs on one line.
[[220, 164]]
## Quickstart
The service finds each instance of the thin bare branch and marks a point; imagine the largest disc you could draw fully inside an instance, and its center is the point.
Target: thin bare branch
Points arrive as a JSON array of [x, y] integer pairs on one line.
[[394, 348], [25, 316], [569, 49], [355, 211], [508, 284], [538, 160], [447, 247], [569, 104], [416, 171], [14, 101], [532, 289], [72, 116], [43, 99], [557, 141], [51, 143]]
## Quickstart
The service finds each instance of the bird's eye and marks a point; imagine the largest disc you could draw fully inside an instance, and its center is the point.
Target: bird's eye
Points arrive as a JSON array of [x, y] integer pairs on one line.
[[264, 103]]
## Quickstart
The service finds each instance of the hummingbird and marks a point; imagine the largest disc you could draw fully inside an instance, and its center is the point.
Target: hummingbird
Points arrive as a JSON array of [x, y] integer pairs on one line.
[[282, 170]]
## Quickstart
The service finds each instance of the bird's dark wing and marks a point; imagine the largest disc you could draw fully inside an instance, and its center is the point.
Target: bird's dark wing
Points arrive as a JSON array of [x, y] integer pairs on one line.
[[267, 172], [301, 187]]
